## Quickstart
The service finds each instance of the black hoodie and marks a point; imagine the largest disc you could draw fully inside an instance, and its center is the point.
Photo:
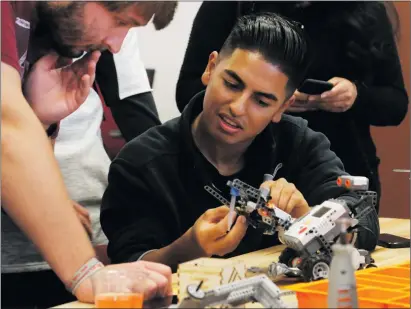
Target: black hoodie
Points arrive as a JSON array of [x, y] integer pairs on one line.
[[156, 184]]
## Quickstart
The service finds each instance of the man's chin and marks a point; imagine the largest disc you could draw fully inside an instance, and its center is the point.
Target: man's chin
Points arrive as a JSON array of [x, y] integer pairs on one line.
[[72, 54], [223, 138], [67, 52]]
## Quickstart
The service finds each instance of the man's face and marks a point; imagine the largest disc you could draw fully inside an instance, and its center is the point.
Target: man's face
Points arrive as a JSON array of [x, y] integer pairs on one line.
[[244, 94], [78, 27]]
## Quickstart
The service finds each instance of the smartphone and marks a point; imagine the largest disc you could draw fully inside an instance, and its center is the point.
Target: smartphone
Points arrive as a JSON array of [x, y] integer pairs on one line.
[[393, 241], [315, 87]]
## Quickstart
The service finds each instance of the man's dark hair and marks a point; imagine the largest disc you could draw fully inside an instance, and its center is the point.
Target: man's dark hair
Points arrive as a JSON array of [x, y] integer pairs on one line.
[[280, 41], [163, 11]]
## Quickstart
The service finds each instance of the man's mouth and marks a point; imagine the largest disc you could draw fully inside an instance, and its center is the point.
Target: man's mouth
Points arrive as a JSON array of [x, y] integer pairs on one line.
[[67, 51], [230, 122], [229, 125]]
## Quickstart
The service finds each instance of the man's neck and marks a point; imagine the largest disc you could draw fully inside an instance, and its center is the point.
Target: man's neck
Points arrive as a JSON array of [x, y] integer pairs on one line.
[[227, 159]]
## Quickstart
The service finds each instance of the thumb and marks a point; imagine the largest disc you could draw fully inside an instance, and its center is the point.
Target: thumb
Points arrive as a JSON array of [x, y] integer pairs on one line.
[[216, 214], [334, 80], [47, 62], [220, 228], [80, 209]]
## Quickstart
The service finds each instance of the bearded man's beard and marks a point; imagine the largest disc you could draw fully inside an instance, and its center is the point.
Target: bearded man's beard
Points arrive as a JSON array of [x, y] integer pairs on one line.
[[62, 26]]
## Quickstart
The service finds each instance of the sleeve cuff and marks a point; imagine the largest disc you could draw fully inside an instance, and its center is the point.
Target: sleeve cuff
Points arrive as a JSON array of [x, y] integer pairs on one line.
[[53, 130], [145, 253], [361, 88]]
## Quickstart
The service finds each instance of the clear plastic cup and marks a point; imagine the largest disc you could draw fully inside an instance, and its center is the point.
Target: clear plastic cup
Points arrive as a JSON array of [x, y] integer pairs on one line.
[[119, 289]]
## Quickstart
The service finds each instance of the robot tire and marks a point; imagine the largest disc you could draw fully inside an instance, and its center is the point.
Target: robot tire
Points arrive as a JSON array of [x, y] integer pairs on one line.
[[316, 267], [287, 257]]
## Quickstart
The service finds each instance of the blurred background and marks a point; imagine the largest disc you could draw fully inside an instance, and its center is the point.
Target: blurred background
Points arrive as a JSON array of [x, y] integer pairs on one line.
[[393, 143]]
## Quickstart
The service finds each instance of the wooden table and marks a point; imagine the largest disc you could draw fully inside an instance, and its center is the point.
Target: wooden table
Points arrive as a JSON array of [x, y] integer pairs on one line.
[[262, 258]]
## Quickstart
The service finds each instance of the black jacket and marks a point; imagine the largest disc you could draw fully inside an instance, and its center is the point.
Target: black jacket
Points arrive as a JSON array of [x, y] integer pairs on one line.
[[134, 114], [156, 184], [382, 99]]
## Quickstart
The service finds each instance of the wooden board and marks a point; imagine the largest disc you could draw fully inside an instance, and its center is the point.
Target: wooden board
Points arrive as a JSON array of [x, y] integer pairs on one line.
[[210, 271], [263, 258]]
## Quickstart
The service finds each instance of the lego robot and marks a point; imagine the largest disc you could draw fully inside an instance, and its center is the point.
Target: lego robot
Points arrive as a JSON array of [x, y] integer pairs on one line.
[[254, 204], [309, 238]]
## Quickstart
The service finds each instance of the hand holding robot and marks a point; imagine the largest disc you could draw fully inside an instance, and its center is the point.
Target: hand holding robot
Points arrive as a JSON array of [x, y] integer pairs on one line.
[[209, 233], [309, 239]]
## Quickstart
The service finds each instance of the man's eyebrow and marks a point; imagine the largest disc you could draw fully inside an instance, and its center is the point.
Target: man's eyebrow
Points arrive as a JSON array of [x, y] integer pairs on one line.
[[129, 20], [234, 76], [134, 22], [267, 95], [259, 93]]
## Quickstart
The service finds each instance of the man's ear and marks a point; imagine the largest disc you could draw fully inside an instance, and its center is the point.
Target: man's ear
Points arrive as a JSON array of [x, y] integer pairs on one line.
[[283, 108], [212, 62]]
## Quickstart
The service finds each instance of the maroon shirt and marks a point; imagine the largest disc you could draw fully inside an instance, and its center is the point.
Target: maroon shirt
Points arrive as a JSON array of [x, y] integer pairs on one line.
[[17, 19]]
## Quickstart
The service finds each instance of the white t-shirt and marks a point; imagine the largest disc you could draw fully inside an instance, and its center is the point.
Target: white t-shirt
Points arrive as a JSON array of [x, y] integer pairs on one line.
[[131, 73]]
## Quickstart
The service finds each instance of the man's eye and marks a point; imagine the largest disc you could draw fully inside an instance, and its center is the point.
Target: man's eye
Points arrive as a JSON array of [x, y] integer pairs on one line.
[[231, 85], [121, 23], [263, 104], [260, 102]]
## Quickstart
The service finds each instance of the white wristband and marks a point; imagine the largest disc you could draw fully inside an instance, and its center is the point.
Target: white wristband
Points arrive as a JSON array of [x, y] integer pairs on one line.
[[83, 273]]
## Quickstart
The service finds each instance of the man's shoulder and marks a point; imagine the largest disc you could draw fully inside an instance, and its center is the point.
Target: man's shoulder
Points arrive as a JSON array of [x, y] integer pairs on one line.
[[295, 132], [16, 20], [8, 36], [292, 123], [155, 143]]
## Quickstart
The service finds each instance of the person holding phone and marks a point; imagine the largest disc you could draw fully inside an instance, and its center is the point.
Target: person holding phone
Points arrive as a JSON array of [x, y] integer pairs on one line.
[[354, 50]]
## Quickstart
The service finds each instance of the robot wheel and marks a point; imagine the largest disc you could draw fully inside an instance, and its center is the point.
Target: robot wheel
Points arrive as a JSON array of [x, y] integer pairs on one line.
[[287, 257], [316, 267]]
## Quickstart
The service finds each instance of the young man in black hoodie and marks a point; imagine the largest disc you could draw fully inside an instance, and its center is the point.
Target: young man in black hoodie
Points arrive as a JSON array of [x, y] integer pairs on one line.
[[155, 207]]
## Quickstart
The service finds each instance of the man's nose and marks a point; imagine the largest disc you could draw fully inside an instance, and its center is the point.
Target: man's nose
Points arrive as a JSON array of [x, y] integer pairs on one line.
[[115, 41], [238, 106]]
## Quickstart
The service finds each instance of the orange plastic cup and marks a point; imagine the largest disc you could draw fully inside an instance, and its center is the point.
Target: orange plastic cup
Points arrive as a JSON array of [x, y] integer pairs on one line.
[[118, 300], [119, 289]]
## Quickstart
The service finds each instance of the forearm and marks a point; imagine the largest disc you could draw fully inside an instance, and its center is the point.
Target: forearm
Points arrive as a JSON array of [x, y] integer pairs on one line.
[[33, 192], [135, 114], [53, 132], [53, 136], [183, 249], [381, 106]]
